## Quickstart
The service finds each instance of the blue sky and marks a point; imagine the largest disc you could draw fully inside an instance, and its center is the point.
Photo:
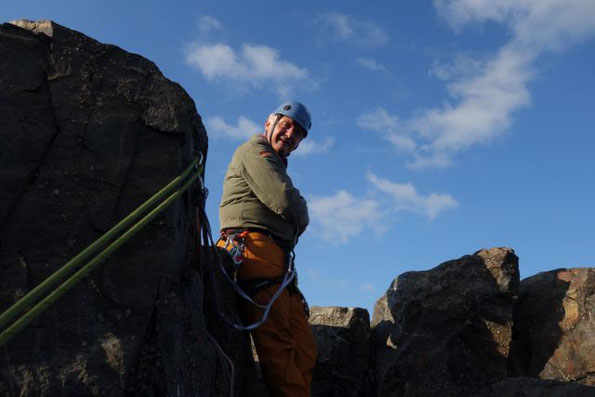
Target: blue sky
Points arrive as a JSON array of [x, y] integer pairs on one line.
[[439, 128]]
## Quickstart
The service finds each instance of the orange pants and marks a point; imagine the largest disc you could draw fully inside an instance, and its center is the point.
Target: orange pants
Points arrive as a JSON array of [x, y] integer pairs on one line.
[[285, 345]]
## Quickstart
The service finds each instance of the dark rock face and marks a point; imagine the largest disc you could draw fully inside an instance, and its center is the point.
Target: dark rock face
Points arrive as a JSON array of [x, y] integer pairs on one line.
[[447, 331], [343, 339], [555, 328], [87, 133], [465, 328]]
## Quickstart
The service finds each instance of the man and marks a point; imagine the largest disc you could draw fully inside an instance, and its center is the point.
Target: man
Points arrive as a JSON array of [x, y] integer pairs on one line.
[[261, 205]]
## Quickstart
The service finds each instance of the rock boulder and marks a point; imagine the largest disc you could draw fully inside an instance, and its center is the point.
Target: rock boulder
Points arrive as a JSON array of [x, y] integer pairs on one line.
[[554, 333], [88, 132], [447, 331], [343, 338]]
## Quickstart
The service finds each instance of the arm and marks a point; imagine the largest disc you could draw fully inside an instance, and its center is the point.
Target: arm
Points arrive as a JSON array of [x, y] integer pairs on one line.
[[266, 176]]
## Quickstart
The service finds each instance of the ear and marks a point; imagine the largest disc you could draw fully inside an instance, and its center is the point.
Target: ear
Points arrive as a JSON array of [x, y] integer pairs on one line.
[[267, 124]]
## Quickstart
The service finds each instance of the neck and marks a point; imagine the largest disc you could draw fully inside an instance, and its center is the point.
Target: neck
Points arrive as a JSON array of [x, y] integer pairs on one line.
[[283, 158]]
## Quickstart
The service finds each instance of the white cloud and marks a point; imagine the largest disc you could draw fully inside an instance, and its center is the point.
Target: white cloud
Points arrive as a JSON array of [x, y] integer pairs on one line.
[[249, 67], [309, 146], [402, 143], [486, 93], [486, 103], [342, 216], [344, 27], [389, 125], [254, 66], [550, 24], [367, 287], [405, 197], [244, 129], [207, 24], [372, 64], [462, 66], [379, 120]]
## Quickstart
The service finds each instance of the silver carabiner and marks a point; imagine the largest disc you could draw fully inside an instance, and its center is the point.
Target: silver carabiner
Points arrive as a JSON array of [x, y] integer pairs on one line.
[[235, 250]]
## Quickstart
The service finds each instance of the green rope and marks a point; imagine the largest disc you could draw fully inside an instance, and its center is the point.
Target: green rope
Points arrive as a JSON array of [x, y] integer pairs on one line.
[[24, 302]]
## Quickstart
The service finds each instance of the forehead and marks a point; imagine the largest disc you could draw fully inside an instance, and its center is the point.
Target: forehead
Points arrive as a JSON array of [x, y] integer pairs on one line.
[[289, 120]]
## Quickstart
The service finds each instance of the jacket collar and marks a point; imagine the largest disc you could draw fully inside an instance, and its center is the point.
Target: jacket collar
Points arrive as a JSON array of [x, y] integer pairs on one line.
[[264, 138]]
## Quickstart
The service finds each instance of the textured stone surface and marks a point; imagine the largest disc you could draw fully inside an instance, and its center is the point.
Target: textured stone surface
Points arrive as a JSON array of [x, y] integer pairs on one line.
[[528, 387], [447, 331], [343, 338], [87, 133], [555, 326]]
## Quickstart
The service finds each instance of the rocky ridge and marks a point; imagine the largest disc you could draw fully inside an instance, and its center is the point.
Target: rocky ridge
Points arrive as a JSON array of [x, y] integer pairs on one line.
[[468, 327]]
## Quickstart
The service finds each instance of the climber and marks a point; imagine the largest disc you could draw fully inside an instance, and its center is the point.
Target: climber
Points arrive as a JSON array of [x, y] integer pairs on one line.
[[261, 207]]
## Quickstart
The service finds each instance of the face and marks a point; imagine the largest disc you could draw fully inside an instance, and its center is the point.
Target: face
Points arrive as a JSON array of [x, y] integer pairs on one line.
[[287, 135]]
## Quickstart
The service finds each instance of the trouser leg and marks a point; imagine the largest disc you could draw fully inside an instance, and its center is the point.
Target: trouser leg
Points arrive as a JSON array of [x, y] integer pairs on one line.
[[284, 343], [305, 344]]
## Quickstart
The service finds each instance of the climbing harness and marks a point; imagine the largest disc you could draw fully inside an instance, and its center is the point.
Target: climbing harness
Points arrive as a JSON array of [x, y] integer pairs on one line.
[[211, 247], [235, 244], [159, 201]]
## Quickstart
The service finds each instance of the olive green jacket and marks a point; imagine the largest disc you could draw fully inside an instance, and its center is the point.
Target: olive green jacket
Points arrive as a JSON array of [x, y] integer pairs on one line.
[[258, 193]]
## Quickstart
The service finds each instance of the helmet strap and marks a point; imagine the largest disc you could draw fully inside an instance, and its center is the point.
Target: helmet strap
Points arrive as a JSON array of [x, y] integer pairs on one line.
[[270, 134]]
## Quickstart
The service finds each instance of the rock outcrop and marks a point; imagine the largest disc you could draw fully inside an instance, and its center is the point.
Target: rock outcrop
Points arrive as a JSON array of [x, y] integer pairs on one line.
[[343, 339], [447, 331], [467, 327], [555, 326], [87, 133]]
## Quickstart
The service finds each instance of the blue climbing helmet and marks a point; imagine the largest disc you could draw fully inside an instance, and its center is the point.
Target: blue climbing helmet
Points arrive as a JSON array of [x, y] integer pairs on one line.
[[298, 113]]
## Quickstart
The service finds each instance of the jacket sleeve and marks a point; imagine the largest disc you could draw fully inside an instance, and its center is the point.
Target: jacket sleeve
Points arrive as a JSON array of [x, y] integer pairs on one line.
[[266, 176]]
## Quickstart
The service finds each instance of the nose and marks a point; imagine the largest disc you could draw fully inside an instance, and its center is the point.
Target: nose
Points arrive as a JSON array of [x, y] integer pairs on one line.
[[291, 131]]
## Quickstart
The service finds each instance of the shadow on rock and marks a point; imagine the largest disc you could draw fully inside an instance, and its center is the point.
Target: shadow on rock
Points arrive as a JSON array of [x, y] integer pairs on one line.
[[447, 331], [343, 365], [554, 326], [221, 307], [537, 333]]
